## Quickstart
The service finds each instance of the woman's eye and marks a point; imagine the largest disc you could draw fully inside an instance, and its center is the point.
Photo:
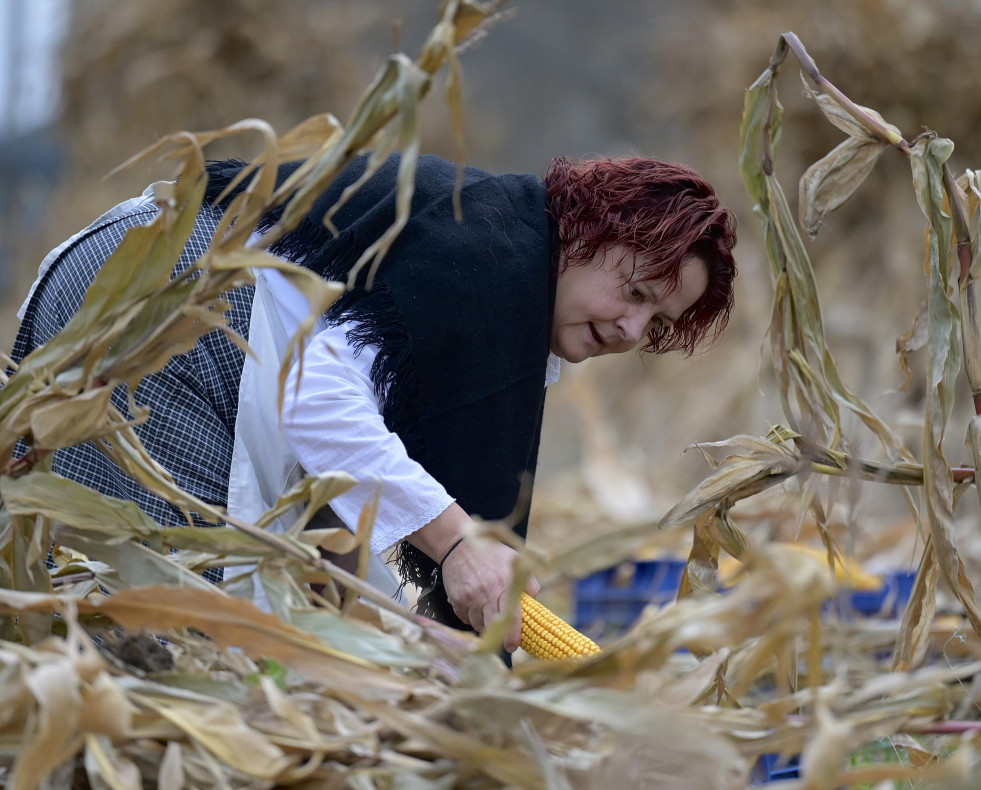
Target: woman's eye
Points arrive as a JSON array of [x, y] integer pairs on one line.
[[635, 293]]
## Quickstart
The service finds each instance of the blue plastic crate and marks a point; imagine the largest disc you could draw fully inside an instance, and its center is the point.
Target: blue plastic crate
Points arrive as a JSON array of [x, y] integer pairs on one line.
[[775, 767], [889, 601], [610, 601]]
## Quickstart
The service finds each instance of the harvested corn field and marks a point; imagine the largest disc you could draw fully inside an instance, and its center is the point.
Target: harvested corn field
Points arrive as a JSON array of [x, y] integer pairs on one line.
[[743, 634]]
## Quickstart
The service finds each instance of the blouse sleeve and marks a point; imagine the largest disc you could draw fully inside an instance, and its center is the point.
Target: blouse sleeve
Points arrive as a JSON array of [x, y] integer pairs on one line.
[[332, 422]]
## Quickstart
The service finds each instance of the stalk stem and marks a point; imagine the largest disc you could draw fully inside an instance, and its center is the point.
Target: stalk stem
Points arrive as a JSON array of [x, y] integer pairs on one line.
[[963, 474], [872, 125], [776, 60], [61, 581]]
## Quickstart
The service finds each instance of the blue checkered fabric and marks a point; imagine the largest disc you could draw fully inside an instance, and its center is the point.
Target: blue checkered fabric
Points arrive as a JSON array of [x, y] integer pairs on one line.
[[193, 400]]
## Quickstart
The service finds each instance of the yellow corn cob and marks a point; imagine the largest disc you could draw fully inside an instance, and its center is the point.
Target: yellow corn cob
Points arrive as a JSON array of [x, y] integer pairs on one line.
[[848, 572], [548, 637]]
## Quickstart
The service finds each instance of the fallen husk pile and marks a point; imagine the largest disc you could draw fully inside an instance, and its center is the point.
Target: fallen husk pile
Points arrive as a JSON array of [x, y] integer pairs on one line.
[[122, 668], [240, 698]]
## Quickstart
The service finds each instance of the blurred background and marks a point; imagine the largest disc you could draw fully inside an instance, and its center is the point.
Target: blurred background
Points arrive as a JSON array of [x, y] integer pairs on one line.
[[84, 84]]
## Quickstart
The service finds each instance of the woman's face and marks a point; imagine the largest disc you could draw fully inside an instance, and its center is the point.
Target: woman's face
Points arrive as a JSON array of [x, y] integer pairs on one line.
[[599, 309]]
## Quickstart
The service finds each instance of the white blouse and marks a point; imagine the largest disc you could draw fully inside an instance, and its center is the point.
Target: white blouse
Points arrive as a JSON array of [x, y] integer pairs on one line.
[[333, 421]]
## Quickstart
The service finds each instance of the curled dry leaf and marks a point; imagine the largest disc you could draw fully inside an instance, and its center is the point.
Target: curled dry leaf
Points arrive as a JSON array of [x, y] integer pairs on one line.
[[832, 180], [844, 120]]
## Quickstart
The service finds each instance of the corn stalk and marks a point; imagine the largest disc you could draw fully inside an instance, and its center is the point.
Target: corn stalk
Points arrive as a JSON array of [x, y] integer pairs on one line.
[[811, 390]]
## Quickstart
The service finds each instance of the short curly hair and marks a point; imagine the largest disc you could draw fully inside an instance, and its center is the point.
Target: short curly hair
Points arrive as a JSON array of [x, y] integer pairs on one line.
[[664, 213]]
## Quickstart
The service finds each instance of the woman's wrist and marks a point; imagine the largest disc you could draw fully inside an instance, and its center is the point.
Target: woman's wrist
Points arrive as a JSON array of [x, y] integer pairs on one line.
[[441, 535]]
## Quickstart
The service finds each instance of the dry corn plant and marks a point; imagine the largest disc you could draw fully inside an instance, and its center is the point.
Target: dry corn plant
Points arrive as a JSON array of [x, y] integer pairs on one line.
[[359, 693], [812, 391], [815, 449]]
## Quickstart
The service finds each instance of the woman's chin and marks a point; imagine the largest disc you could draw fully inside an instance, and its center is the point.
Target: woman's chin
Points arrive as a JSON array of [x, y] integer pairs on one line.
[[574, 356]]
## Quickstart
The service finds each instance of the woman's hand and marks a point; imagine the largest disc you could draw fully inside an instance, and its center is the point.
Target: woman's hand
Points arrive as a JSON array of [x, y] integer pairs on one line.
[[477, 575], [477, 578]]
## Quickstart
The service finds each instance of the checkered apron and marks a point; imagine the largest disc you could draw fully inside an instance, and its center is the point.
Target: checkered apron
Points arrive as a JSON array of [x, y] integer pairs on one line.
[[193, 400]]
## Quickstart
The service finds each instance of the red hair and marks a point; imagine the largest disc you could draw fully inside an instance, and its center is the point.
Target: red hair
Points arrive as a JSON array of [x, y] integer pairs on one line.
[[662, 212]]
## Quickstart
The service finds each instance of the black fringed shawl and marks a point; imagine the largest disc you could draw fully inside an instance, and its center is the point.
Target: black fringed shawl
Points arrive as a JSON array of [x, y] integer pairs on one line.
[[461, 315]]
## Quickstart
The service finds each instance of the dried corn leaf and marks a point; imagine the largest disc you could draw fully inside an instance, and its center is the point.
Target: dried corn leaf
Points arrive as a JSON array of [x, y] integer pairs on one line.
[[397, 87], [220, 729], [28, 572], [970, 182], [105, 708], [683, 744], [914, 634], [132, 564], [103, 761], [53, 730], [970, 316], [310, 137], [970, 299], [507, 766], [171, 775], [313, 492], [215, 541], [71, 503], [797, 325], [915, 339], [354, 637], [594, 551], [765, 465], [65, 423], [832, 180], [232, 623], [844, 120], [929, 155], [700, 574], [235, 623], [824, 754]]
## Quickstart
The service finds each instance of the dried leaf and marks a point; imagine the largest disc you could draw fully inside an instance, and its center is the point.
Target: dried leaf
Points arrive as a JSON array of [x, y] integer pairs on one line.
[[915, 339], [105, 709], [102, 760], [843, 119], [824, 755], [313, 492], [310, 137], [53, 739], [351, 636], [797, 327], [832, 180], [133, 564], [171, 775], [737, 478], [220, 729], [970, 316], [231, 622], [65, 423], [74, 504], [505, 765], [929, 155]]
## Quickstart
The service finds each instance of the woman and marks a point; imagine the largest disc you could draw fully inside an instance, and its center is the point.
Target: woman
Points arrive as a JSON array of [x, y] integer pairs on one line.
[[427, 383]]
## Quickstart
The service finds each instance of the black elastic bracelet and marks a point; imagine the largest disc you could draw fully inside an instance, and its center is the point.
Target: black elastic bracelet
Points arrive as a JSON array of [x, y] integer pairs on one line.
[[448, 553]]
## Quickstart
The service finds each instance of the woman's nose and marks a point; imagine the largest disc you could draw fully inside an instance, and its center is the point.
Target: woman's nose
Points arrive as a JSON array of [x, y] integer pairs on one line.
[[634, 325]]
